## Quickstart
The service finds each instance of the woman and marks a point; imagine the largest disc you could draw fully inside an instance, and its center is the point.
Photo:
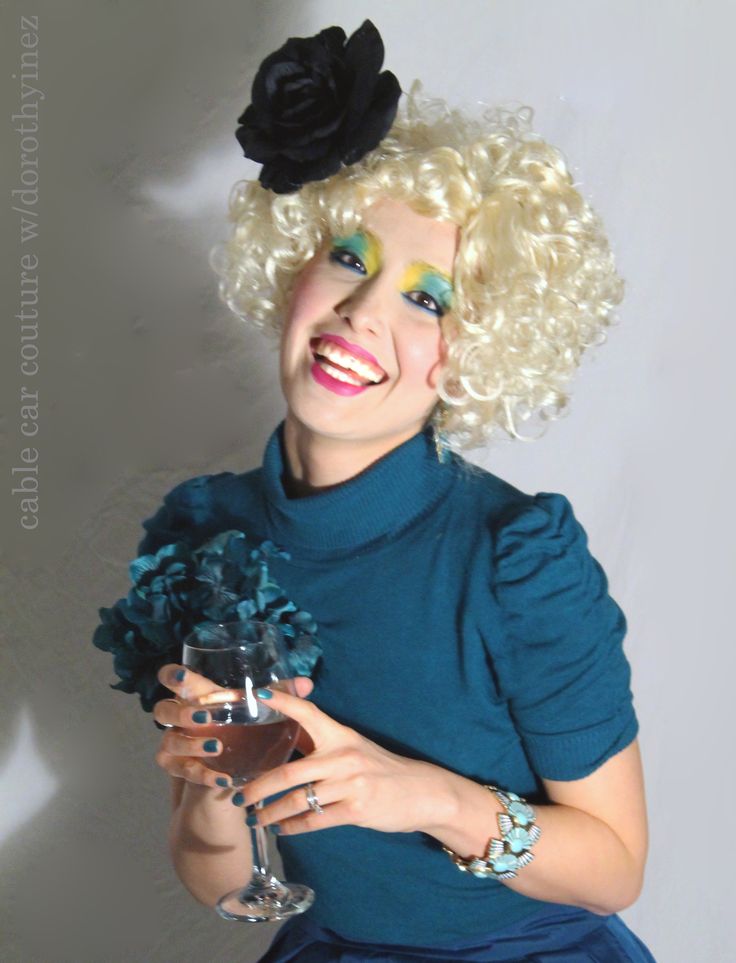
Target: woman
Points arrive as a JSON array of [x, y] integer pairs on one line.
[[432, 281]]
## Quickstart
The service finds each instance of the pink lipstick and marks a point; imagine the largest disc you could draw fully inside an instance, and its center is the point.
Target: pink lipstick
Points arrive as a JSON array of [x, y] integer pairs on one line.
[[327, 380], [339, 387]]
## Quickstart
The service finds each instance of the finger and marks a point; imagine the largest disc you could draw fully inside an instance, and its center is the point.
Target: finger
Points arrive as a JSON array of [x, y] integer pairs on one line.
[[187, 684], [185, 767], [178, 743], [317, 723], [290, 774], [338, 814], [303, 686], [172, 712], [295, 803]]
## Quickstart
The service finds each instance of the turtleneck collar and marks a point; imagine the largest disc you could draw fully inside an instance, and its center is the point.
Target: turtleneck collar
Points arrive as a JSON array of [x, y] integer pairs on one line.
[[388, 495]]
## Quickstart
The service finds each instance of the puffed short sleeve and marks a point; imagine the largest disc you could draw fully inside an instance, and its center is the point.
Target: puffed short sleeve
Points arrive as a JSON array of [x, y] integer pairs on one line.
[[183, 516], [560, 661]]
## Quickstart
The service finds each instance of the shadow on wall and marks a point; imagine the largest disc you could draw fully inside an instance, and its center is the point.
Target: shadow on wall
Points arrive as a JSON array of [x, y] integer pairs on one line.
[[131, 94]]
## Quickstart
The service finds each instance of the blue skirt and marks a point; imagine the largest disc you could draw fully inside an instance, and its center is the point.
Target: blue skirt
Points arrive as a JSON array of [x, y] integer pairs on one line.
[[564, 935]]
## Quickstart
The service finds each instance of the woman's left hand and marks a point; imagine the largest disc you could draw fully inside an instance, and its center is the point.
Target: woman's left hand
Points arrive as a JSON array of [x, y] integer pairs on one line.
[[356, 781]]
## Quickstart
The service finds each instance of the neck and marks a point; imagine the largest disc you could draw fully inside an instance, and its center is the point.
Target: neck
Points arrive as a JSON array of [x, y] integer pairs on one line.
[[317, 461]]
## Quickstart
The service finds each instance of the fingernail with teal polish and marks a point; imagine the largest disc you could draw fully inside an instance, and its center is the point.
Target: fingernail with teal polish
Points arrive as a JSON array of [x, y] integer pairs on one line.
[[210, 745], [251, 819], [264, 693], [180, 673], [275, 828], [221, 781], [238, 799], [199, 716]]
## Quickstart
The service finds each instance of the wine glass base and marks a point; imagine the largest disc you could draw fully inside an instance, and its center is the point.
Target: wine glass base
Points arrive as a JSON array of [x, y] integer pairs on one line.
[[265, 905]]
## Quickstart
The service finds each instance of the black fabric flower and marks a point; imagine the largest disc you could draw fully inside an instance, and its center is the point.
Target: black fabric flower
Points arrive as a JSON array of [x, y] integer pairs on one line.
[[178, 589], [317, 103]]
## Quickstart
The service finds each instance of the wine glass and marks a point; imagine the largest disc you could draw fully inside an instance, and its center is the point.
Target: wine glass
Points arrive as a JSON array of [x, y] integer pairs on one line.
[[239, 657]]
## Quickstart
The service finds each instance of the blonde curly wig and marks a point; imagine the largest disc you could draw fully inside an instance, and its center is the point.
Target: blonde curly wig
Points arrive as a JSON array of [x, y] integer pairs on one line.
[[534, 279]]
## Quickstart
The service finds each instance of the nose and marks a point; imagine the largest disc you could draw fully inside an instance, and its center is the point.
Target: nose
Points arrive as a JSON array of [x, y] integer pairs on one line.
[[365, 307]]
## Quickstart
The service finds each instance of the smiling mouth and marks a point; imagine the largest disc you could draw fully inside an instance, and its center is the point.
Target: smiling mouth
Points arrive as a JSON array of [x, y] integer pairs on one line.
[[343, 366]]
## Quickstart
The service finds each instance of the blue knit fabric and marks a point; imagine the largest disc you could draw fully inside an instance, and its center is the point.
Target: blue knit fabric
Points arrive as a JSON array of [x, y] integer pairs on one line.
[[463, 622]]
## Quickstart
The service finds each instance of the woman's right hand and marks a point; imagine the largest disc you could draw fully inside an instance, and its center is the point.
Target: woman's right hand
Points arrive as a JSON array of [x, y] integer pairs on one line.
[[181, 750]]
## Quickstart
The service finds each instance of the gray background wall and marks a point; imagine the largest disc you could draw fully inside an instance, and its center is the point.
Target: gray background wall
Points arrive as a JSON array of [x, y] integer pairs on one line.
[[145, 379]]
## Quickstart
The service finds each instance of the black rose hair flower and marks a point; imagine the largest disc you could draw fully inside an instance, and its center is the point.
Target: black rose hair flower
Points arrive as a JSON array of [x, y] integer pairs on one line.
[[318, 103], [178, 589]]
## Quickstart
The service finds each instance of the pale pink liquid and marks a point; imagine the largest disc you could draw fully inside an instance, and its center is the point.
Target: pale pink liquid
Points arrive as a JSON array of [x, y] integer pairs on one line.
[[248, 749]]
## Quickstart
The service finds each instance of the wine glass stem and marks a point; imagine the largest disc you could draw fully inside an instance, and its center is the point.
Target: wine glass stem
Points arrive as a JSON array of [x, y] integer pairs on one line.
[[260, 847]]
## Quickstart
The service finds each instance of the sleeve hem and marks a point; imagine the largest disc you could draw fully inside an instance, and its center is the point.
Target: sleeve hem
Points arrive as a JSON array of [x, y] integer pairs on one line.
[[566, 758]]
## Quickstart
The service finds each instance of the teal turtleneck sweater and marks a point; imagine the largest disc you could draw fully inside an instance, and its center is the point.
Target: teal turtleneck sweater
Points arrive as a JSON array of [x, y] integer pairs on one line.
[[463, 622]]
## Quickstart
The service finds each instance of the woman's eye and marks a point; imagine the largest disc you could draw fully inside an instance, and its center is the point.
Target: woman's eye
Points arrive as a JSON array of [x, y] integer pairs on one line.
[[426, 301], [347, 259]]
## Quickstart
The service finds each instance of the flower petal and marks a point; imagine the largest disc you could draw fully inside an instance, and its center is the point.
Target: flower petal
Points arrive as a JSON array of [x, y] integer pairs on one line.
[[364, 135]]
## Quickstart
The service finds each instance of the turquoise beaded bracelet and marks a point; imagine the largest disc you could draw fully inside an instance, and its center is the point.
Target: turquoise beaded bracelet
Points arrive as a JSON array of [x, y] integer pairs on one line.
[[518, 834]]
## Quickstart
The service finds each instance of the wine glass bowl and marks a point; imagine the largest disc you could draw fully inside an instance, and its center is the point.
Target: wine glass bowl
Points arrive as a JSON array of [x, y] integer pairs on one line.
[[238, 657], [252, 743]]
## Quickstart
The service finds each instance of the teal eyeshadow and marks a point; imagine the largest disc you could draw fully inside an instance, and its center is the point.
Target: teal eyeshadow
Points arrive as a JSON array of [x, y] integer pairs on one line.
[[437, 288], [357, 243]]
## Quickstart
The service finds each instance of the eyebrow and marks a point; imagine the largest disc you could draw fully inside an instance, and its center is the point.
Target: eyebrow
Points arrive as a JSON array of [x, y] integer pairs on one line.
[[421, 263]]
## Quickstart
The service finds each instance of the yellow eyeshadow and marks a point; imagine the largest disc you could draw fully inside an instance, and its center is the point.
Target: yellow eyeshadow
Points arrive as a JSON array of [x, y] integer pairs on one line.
[[423, 277]]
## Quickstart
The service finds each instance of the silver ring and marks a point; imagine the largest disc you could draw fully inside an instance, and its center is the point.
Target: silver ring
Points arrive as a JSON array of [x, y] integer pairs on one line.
[[312, 800]]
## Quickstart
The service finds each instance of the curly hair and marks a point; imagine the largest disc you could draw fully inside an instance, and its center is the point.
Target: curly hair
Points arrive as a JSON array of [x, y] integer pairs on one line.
[[534, 278]]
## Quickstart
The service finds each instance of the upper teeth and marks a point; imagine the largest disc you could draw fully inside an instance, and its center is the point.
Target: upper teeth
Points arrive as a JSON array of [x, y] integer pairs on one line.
[[363, 368]]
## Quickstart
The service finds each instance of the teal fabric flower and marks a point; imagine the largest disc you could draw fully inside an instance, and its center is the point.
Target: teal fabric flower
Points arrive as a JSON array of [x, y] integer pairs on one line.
[[226, 579]]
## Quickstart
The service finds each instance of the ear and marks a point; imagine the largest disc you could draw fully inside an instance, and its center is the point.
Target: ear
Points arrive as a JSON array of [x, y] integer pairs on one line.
[[433, 377]]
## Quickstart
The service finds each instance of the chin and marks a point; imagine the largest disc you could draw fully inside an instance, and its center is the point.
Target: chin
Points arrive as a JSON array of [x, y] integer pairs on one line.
[[336, 417]]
